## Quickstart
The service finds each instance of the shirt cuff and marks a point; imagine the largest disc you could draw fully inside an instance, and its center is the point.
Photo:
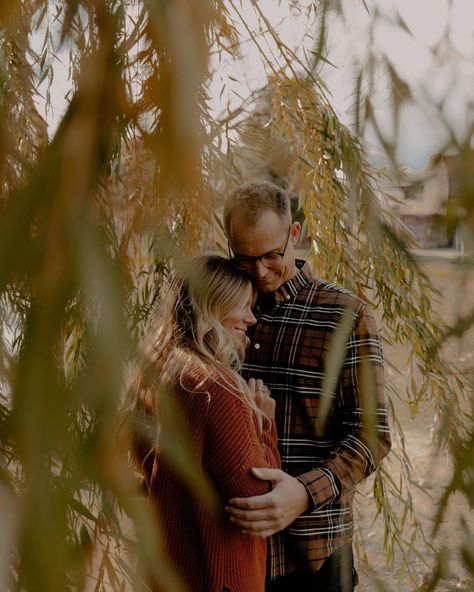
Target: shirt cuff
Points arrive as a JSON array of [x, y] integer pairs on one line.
[[322, 486]]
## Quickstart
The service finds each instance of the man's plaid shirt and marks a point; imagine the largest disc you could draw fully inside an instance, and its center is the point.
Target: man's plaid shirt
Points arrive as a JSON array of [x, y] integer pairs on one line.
[[289, 350]]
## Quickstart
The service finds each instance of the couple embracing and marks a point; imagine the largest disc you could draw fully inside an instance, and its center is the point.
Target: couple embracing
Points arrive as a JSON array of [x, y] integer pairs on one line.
[[241, 346]]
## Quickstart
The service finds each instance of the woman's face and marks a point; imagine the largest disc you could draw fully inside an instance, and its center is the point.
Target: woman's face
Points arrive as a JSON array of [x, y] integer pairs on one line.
[[239, 319]]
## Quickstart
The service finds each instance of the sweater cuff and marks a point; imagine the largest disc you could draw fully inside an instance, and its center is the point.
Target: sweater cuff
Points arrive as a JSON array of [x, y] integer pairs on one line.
[[322, 486]]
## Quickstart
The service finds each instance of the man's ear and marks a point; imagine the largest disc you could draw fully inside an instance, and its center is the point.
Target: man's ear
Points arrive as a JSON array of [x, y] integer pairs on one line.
[[295, 232]]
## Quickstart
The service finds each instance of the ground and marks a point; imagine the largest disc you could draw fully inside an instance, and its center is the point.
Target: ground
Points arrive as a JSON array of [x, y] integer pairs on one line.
[[431, 469]]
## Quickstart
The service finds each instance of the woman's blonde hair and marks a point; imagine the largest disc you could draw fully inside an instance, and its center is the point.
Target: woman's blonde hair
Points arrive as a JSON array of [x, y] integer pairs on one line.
[[185, 336]]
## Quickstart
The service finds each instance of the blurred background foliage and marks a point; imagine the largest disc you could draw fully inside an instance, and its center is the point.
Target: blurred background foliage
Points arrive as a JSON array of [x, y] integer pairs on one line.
[[99, 203]]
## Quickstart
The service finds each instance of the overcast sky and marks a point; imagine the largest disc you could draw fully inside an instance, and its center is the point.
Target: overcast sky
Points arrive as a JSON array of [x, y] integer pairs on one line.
[[434, 56]]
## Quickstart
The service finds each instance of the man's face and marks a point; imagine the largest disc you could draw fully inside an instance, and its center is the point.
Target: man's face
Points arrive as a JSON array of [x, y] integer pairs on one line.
[[267, 235]]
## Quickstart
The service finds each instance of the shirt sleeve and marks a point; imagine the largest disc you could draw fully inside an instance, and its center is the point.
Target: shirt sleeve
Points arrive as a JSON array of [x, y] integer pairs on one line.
[[233, 446], [359, 414]]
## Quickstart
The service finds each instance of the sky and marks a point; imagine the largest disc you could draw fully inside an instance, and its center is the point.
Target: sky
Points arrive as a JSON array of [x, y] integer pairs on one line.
[[433, 54]]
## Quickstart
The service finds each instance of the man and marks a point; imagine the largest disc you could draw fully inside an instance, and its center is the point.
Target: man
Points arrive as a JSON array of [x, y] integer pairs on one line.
[[316, 347]]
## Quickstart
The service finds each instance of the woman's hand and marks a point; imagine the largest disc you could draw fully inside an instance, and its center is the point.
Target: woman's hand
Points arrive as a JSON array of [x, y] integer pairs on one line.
[[261, 396]]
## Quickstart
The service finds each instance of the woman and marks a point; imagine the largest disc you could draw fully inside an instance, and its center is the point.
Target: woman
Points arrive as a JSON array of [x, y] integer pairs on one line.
[[189, 386]]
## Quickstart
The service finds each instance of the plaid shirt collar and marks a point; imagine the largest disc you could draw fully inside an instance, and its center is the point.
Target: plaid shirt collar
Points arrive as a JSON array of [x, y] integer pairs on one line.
[[287, 291]]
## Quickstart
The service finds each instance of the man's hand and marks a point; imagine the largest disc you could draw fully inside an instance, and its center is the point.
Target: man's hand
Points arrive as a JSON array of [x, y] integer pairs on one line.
[[264, 515]]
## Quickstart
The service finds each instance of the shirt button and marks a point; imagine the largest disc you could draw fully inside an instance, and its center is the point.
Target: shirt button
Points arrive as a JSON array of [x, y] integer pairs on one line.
[[288, 297], [257, 346]]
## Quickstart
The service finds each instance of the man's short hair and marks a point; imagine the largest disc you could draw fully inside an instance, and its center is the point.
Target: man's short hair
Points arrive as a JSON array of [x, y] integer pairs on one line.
[[250, 199]]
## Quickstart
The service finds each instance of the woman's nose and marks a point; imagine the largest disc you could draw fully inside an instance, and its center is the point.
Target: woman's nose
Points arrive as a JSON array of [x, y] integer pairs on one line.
[[250, 318]]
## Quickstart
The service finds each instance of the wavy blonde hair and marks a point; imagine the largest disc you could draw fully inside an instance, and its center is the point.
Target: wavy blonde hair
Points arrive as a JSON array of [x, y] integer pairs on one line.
[[185, 335]]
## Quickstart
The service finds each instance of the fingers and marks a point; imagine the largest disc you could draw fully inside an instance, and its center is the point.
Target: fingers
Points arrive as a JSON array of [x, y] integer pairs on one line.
[[259, 392], [266, 474], [263, 515], [257, 523], [257, 502], [261, 395], [256, 390], [257, 386], [260, 530], [245, 517], [265, 500], [262, 391], [264, 534]]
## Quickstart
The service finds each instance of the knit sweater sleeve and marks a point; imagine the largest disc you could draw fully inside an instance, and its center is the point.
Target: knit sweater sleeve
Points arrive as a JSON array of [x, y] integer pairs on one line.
[[233, 446]]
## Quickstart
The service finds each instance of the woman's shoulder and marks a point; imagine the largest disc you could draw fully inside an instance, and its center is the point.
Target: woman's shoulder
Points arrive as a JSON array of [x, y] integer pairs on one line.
[[209, 378], [225, 382], [219, 386]]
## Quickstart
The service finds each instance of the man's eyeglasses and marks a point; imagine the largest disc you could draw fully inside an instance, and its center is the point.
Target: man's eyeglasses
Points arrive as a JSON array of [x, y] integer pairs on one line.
[[268, 259]]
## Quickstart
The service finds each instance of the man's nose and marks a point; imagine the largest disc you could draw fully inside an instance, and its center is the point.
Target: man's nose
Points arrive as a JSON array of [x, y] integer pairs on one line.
[[259, 270]]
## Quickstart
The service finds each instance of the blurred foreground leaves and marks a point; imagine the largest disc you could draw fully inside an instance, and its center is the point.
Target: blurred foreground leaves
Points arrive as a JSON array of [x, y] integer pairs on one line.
[[78, 250], [92, 218]]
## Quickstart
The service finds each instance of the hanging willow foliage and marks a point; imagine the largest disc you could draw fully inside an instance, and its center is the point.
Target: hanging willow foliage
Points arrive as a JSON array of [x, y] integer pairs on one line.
[[293, 135], [94, 215], [356, 245], [89, 221]]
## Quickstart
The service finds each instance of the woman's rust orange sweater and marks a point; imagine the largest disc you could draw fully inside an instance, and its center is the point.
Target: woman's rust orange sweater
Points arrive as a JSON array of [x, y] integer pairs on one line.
[[206, 551]]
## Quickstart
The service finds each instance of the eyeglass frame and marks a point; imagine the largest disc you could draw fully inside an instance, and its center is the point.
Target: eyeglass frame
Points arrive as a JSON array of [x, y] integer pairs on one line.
[[253, 260]]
